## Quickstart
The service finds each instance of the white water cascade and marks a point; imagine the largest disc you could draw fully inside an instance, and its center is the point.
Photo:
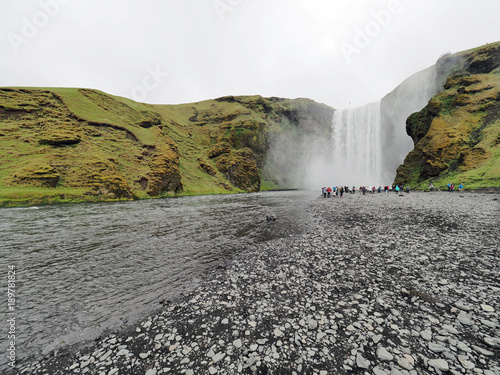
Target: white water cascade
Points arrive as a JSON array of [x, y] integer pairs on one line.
[[357, 149]]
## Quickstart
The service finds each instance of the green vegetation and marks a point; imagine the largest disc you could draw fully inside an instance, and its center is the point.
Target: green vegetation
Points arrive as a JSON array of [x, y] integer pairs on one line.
[[62, 145], [457, 135]]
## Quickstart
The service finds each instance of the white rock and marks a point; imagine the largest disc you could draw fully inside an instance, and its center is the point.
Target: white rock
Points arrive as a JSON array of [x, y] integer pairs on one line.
[[482, 351], [212, 370], [466, 364], [463, 347], [379, 371], [437, 348], [376, 338], [277, 332], [439, 364], [237, 343], [218, 357], [464, 319], [404, 363], [450, 329], [122, 352], [151, 371], [492, 342], [462, 306], [158, 337], [105, 356], [362, 362], [487, 308], [426, 335], [312, 324], [383, 354]]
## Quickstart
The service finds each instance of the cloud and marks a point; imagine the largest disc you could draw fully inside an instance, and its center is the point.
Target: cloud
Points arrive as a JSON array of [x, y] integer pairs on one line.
[[280, 48]]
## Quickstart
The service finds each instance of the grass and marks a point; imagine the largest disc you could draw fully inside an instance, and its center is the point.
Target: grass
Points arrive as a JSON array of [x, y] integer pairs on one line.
[[61, 145]]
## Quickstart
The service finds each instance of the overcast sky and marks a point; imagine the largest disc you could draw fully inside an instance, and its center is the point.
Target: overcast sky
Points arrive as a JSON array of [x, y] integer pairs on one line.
[[343, 53]]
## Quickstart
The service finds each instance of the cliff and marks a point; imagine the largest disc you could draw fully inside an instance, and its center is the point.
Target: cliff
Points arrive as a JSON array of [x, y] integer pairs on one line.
[[456, 136], [65, 144]]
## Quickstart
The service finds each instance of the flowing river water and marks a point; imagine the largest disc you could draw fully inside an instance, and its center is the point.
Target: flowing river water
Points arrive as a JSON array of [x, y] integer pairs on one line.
[[84, 269]]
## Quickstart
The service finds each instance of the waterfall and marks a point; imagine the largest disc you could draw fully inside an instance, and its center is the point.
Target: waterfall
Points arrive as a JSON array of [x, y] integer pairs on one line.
[[356, 143]]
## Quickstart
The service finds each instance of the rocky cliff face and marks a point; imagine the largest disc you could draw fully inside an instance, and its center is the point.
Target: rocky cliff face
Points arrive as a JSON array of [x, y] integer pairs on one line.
[[408, 97], [85, 145], [456, 136]]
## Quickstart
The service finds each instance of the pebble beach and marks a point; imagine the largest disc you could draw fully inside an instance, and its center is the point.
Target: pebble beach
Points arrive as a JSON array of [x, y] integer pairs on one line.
[[380, 284]]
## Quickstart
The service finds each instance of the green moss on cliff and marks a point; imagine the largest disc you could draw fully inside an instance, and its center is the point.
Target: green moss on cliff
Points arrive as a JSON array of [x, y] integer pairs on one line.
[[457, 134], [60, 144]]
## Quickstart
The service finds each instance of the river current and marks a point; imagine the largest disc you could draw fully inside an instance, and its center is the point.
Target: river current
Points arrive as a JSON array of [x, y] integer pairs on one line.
[[84, 269]]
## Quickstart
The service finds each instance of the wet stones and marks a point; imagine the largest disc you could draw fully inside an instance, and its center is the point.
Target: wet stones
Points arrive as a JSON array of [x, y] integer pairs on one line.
[[381, 286]]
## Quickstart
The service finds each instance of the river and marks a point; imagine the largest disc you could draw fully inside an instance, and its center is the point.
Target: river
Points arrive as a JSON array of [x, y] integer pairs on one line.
[[84, 269]]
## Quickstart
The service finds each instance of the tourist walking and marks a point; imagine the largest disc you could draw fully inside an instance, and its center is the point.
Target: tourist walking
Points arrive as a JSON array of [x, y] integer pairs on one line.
[[407, 189], [323, 192]]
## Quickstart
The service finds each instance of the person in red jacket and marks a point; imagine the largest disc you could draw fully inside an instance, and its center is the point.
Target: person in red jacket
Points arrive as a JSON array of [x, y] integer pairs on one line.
[[328, 191]]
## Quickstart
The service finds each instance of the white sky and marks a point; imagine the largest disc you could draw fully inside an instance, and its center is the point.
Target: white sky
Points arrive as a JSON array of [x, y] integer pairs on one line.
[[343, 53]]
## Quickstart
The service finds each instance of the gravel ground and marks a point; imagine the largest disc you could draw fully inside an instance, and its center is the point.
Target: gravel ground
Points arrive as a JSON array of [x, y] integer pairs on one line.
[[381, 284]]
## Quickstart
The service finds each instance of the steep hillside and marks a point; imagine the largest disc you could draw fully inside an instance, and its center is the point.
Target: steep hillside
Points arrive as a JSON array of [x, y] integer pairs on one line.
[[457, 135], [59, 145]]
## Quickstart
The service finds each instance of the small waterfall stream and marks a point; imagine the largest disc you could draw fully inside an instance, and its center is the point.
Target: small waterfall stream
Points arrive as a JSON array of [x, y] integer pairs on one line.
[[357, 150]]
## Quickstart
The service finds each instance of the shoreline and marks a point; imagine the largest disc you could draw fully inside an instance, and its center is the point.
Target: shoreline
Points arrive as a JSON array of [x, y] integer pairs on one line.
[[10, 204], [377, 284]]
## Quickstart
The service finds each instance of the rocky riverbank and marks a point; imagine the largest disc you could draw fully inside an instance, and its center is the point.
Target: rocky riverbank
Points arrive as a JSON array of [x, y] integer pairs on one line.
[[382, 284]]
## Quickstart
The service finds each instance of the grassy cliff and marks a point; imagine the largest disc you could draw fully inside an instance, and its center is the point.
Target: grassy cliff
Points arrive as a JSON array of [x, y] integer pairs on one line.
[[457, 135], [68, 144]]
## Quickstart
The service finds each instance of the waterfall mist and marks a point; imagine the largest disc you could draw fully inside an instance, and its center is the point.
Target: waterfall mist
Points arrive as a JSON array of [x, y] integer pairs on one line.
[[365, 145], [356, 146]]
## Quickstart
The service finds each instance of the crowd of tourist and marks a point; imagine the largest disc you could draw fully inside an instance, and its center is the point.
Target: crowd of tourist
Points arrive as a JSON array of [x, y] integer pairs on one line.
[[328, 192]]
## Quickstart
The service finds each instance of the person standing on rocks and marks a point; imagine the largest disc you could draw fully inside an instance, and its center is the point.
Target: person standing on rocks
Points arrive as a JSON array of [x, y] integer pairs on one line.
[[461, 188], [323, 192], [431, 186], [328, 192], [407, 189]]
